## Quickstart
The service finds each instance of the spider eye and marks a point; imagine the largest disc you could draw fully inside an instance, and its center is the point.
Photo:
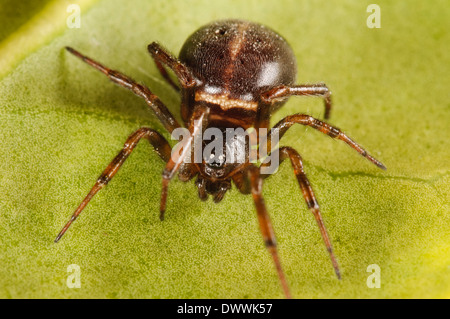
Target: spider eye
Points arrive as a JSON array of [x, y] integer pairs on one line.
[[216, 161]]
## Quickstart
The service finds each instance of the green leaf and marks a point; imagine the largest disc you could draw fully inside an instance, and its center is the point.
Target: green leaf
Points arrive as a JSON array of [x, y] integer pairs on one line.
[[61, 123]]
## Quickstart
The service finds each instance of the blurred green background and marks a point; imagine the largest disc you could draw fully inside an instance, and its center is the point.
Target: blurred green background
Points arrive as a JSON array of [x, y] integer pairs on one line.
[[62, 122]]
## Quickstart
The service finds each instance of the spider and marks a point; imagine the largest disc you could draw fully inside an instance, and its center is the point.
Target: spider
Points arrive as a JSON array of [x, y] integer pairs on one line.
[[231, 74]]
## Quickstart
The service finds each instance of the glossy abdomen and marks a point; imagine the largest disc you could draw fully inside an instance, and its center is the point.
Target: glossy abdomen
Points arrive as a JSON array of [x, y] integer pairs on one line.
[[234, 61]]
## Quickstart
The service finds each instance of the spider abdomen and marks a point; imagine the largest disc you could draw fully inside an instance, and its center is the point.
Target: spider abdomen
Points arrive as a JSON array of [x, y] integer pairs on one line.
[[233, 62]]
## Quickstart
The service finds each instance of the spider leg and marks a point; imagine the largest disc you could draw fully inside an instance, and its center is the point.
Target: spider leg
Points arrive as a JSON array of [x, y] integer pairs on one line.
[[282, 92], [198, 122], [310, 198], [241, 182], [303, 119], [162, 57], [265, 224], [161, 111], [161, 146]]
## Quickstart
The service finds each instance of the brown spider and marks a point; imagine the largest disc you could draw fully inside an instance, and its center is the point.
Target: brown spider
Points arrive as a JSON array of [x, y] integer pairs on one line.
[[233, 74]]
